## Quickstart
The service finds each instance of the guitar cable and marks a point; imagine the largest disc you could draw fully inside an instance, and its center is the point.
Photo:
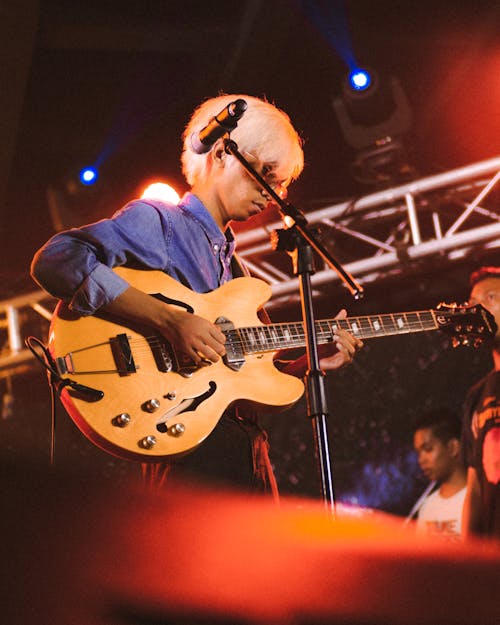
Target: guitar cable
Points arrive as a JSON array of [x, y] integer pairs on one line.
[[56, 384], [45, 358]]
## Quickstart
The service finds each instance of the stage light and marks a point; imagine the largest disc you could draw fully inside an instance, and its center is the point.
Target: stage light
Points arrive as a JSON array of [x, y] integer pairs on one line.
[[78, 196], [360, 80], [161, 191], [88, 175], [375, 116]]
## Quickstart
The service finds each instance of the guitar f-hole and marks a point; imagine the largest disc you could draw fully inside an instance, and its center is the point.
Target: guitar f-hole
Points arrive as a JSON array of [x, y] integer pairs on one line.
[[190, 404]]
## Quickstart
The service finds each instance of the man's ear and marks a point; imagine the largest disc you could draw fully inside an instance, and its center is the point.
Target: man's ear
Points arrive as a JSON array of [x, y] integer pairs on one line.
[[219, 153], [454, 447]]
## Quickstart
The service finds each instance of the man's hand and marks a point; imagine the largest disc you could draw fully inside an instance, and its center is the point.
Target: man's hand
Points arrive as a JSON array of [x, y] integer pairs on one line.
[[346, 344], [334, 355], [194, 336], [190, 335]]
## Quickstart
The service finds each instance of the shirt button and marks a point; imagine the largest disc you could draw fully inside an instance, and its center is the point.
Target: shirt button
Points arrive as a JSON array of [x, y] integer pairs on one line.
[[216, 248]]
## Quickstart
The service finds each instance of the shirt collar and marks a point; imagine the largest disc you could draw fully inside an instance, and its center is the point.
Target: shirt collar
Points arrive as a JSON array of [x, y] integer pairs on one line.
[[193, 205]]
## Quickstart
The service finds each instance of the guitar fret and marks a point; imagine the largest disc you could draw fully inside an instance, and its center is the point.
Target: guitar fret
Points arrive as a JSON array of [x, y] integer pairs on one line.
[[326, 333], [263, 336], [378, 325], [364, 326], [272, 337], [400, 322], [297, 334]]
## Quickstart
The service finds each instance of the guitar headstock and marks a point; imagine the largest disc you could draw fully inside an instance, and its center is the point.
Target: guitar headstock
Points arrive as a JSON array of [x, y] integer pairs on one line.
[[468, 324]]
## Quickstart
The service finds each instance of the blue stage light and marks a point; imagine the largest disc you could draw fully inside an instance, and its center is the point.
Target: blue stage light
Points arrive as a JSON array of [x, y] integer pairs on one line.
[[360, 80], [88, 175]]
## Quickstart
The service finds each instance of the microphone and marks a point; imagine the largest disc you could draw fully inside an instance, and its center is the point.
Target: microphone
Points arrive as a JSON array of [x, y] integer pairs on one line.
[[218, 126]]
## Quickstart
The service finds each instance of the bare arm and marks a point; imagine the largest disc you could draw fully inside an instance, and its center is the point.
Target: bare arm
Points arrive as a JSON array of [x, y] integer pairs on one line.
[[190, 334], [471, 515]]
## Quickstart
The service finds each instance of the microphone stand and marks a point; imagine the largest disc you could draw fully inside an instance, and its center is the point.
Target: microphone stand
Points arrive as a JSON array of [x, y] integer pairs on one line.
[[301, 241]]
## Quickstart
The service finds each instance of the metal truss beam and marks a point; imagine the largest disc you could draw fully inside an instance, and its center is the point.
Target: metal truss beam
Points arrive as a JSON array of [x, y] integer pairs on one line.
[[447, 214], [16, 319]]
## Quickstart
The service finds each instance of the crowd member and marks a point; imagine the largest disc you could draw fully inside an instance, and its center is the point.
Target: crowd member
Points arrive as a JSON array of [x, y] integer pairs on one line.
[[481, 428], [192, 242], [436, 440]]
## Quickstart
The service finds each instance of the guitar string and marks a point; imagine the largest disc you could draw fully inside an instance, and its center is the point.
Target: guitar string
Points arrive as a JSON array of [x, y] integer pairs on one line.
[[272, 335]]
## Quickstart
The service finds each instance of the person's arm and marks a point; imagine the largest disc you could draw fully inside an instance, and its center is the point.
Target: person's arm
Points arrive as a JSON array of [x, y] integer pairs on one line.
[[471, 514], [189, 334], [77, 265]]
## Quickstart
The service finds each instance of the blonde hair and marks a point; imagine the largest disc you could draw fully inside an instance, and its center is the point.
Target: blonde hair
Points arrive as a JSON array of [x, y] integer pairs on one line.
[[264, 131]]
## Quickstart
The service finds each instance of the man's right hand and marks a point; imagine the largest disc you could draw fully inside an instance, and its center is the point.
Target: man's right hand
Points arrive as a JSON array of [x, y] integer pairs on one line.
[[194, 336], [190, 335]]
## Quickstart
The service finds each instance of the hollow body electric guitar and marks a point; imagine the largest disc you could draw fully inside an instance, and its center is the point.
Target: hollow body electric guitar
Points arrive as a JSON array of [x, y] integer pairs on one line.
[[133, 396]]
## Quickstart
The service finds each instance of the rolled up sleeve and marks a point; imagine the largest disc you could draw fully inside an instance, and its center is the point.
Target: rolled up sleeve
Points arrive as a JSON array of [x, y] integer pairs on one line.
[[77, 265]]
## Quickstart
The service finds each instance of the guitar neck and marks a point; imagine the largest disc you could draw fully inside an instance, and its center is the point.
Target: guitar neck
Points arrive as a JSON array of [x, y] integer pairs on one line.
[[275, 336]]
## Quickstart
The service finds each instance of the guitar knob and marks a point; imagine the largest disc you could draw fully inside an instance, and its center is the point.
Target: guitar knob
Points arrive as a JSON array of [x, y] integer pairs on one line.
[[177, 429], [148, 442], [121, 420], [151, 405]]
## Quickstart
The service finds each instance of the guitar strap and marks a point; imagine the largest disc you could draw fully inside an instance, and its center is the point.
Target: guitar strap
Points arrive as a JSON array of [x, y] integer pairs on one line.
[[239, 270]]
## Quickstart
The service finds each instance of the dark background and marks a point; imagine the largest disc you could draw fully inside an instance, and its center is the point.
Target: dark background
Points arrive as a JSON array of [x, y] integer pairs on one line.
[[113, 83]]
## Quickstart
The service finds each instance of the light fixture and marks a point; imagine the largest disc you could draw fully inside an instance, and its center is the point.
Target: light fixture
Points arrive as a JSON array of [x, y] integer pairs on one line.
[[161, 191], [374, 116]]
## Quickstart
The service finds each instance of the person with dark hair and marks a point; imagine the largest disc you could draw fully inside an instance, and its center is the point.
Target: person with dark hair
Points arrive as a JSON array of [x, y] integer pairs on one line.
[[192, 242], [481, 426], [437, 442]]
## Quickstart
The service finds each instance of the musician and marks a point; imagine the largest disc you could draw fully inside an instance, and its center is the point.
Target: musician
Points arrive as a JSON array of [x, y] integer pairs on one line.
[[193, 243], [436, 440], [481, 432]]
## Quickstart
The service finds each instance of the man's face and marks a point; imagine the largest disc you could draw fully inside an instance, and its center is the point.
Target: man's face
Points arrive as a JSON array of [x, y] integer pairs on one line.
[[487, 293], [436, 459], [240, 195]]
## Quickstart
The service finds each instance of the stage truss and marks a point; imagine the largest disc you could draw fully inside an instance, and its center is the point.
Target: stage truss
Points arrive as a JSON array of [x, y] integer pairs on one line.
[[446, 216]]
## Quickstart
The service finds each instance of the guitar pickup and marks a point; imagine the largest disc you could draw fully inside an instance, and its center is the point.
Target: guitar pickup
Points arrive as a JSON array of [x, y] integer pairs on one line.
[[122, 354]]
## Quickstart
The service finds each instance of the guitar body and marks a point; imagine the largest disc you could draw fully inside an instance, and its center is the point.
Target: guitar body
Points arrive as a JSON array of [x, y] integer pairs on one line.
[[150, 414]]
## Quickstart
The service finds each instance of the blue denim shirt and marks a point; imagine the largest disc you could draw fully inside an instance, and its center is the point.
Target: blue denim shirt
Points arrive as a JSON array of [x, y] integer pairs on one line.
[[182, 240]]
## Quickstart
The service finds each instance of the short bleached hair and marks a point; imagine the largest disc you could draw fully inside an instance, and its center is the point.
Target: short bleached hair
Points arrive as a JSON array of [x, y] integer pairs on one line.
[[264, 131]]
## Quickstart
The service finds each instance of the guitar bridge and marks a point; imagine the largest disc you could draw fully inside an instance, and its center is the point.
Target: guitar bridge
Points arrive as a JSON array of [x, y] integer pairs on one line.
[[122, 354]]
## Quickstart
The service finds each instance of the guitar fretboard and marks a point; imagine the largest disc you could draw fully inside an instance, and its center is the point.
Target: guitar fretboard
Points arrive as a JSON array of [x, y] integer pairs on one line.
[[277, 336]]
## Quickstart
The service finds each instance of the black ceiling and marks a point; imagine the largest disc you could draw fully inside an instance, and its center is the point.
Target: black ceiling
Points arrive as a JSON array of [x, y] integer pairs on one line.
[[116, 81]]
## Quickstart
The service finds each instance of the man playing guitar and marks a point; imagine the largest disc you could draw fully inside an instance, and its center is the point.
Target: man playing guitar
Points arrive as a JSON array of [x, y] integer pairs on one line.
[[192, 243]]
